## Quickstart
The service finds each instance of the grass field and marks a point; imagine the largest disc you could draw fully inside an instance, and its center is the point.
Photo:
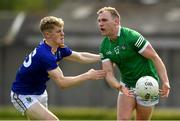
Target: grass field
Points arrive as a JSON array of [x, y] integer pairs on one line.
[[69, 113]]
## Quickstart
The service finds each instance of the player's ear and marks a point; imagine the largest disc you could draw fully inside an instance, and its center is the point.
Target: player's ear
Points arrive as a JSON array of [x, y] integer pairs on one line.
[[46, 34], [117, 21]]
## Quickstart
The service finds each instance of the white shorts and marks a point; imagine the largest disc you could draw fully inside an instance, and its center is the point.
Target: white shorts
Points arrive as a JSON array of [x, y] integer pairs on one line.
[[143, 102], [23, 102], [146, 103]]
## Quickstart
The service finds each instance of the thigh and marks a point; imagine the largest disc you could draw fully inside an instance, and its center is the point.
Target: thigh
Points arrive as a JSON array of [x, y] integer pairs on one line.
[[34, 106], [144, 112], [145, 108], [22, 102], [125, 107], [38, 112], [43, 99]]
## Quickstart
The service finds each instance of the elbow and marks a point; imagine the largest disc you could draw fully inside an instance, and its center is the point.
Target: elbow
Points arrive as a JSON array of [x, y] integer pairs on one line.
[[62, 83], [62, 87]]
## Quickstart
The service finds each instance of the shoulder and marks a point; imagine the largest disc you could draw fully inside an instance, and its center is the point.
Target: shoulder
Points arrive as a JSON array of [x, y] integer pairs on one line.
[[65, 51], [135, 39], [105, 41], [130, 35], [130, 32], [64, 48], [44, 52]]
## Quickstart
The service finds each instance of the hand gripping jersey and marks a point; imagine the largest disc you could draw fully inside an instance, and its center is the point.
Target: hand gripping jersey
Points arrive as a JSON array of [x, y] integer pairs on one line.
[[125, 52], [32, 75]]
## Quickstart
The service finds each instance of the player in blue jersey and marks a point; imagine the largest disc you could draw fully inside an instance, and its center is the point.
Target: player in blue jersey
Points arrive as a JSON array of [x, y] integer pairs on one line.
[[134, 57], [28, 93]]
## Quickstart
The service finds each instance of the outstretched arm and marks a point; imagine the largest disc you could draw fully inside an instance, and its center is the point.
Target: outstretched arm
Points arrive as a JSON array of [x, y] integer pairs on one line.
[[150, 53], [65, 82], [83, 57]]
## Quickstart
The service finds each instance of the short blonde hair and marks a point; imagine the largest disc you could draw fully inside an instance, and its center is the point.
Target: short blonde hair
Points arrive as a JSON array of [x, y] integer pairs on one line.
[[113, 11], [49, 22]]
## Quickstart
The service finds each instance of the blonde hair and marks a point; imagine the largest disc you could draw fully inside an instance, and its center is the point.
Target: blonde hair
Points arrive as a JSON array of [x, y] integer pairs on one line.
[[113, 11], [49, 22]]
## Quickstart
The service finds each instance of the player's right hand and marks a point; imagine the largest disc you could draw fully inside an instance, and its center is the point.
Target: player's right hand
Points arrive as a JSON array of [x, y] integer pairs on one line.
[[96, 74]]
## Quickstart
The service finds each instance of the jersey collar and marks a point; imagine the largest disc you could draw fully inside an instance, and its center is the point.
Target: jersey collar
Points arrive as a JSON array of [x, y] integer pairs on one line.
[[119, 32]]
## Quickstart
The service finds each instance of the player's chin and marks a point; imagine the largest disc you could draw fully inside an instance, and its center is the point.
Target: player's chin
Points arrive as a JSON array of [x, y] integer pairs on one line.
[[103, 34], [61, 45]]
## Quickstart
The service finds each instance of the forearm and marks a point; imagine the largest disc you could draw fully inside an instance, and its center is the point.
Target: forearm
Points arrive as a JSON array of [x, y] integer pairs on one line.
[[71, 81], [110, 78], [84, 57], [113, 82], [89, 57], [161, 70], [64, 82]]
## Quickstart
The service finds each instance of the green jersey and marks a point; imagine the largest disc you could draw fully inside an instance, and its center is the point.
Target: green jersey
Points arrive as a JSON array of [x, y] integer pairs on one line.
[[125, 52]]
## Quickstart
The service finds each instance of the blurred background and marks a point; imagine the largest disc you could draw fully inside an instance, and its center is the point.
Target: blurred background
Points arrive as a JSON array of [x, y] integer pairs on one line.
[[156, 20]]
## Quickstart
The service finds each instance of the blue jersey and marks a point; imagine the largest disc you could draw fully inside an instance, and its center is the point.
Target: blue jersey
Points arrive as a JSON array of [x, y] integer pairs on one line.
[[32, 75]]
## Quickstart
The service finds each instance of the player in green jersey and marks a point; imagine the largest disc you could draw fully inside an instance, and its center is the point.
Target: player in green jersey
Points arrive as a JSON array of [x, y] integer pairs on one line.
[[135, 57]]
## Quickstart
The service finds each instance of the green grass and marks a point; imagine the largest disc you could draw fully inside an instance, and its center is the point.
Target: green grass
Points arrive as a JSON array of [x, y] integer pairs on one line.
[[166, 114], [85, 113], [70, 113]]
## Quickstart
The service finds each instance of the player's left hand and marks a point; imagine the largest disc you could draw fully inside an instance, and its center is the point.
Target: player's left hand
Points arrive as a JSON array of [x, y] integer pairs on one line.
[[164, 92]]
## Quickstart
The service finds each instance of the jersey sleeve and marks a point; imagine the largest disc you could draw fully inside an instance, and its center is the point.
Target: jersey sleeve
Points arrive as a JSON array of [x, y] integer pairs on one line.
[[102, 51], [66, 51], [49, 62], [63, 52], [138, 42]]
